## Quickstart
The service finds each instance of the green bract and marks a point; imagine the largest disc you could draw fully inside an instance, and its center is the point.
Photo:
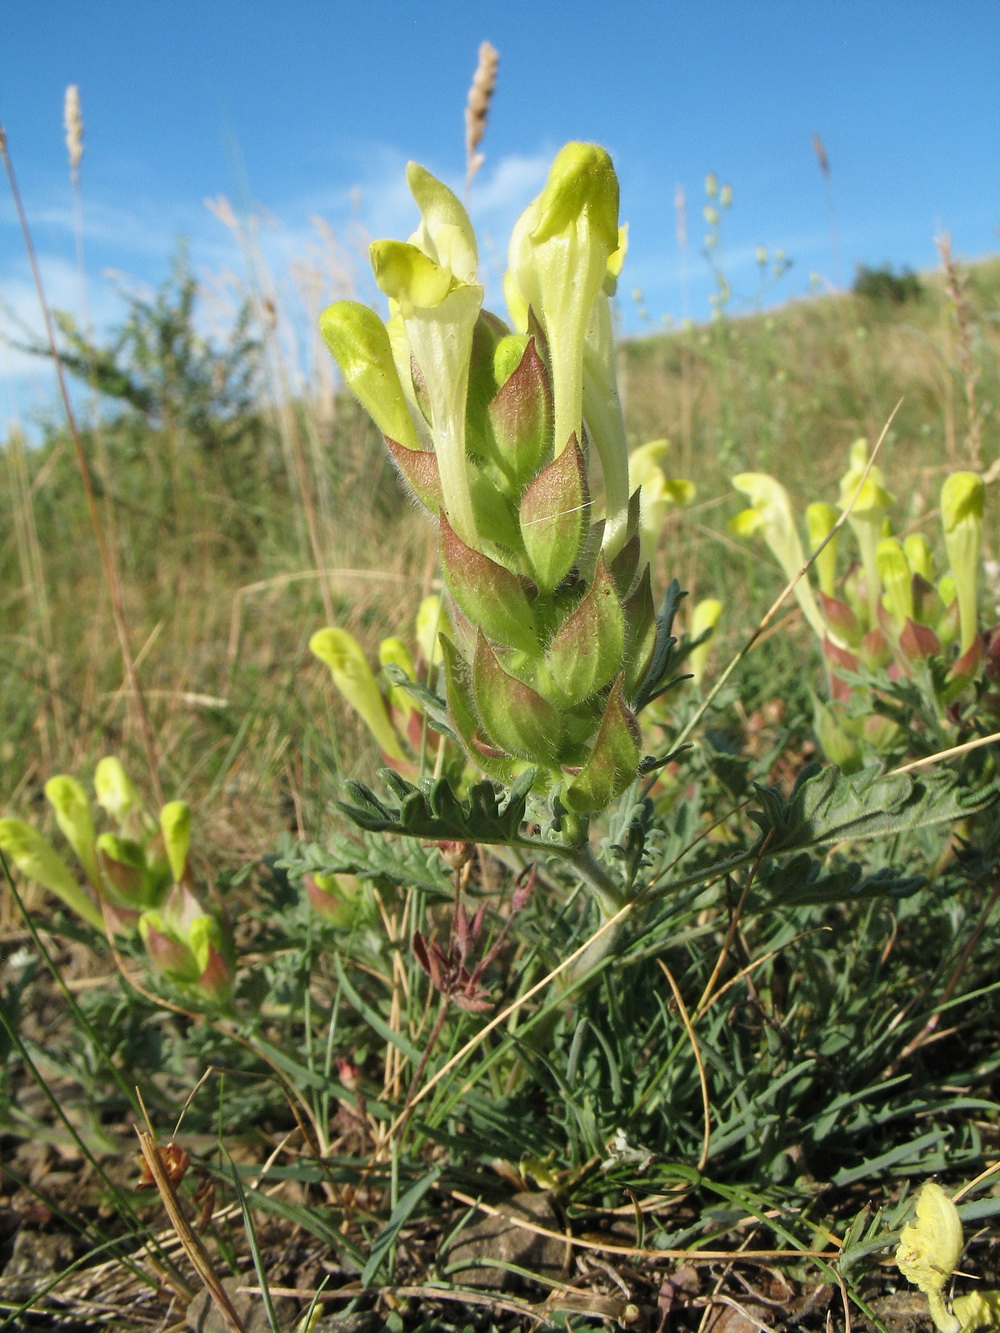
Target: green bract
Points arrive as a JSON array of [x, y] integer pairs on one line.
[[505, 430]]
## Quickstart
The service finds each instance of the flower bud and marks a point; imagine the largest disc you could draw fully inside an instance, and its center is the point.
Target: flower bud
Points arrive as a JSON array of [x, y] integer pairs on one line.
[[897, 579], [123, 867], [432, 619], [359, 342], [919, 554], [867, 517], [394, 652], [558, 259]]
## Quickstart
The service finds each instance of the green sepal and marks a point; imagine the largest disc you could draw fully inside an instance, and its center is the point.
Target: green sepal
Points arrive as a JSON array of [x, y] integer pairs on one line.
[[587, 651], [72, 811], [521, 414], [841, 619], [360, 345], [918, 642], [613, 760], [626, 561], [555, 517], [465, 718], [170, 956], [516, 718], [496, 512], [419, 469], [839, 747], [487, 334], [123, 867], [489, 595], [38, 861]]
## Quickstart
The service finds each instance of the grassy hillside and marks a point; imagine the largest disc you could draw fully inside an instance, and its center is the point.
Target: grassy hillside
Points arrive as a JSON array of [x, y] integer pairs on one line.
[[218, 543]]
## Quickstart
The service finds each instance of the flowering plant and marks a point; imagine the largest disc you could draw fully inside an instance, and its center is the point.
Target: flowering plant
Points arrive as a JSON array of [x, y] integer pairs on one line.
[[138, 878], [507, 432], [894, 617]]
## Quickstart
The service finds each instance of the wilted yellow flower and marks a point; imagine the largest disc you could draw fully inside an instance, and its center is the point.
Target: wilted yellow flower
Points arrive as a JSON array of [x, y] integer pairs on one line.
[[929, 1250]]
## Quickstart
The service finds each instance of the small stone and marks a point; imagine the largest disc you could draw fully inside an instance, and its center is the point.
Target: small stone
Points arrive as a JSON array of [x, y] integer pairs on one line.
[[204, 1316], [500, 1239], [36, 1257], [361, 1322]]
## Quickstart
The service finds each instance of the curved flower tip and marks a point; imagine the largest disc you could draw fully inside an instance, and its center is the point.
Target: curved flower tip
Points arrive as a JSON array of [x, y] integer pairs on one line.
[[113, 789], [581, 180], [175, 825], [72, 811], [872, 499], [360, 344], [445, 233]]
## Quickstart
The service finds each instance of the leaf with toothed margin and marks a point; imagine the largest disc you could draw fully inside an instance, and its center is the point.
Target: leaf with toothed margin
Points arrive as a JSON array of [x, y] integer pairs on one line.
[[432, 809], [419, 469], [587, 651], [555, 517], [434, 707], [515, 717], [626, 562], [487, 593], [829, 806], [613, 760]]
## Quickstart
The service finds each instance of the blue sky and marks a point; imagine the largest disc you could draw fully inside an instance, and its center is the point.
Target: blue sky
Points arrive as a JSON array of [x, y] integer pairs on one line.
[[294, 109]]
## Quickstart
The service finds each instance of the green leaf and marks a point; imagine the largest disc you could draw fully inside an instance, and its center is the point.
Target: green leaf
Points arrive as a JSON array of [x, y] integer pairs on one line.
[[399, 1216], [829, 806], [432, 810], [804, 879]]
